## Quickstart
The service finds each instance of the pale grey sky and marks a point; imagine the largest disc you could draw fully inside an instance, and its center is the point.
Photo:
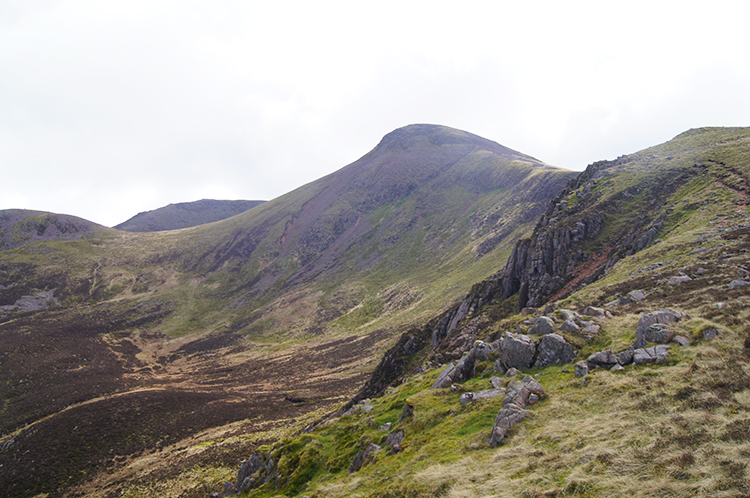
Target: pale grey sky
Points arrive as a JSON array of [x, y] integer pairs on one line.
[[111, 108]]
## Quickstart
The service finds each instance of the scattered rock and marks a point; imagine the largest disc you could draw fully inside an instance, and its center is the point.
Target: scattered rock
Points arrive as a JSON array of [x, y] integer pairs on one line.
[[542, 325], [512, 372], [554, 349], [569, 326], [681, 340], [602, 359], [664, 317], [592, 329], [516, 400], [517, 352], [581, 369], [701, 271], [488, 394], [364, 457], [529, 311], [496, 382], [616, 368], [711, 333], [445, 378], [657, 333], [385, 427], [635, 296], [568, 315], [593, 311], [407, 412], [698, 251], [737, 283], [466, 398], [498, 368], [394, 441], [679, 279], [652, 354]]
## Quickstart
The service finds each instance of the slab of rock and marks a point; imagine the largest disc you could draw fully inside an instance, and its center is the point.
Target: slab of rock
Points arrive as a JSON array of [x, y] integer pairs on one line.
[[568, 315], [488, 394], [592, 329], [653, 354], [516, 352], [581, 369], [554, 349], [518, 397], [634, 296], [363, 457], [681, 340], [679, 279], [569, 326], [657, 333], [496, 382], [737, 283], [602, 359], [665, 317], [542, 325], [594, 311], [445, 378], [709, 334]]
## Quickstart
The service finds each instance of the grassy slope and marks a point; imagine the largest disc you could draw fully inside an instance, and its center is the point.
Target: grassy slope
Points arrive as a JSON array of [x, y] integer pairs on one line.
[[679, 428], [295, 297]]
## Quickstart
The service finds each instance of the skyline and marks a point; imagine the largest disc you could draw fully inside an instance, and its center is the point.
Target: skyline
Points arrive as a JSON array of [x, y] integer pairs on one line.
[[111, 109]]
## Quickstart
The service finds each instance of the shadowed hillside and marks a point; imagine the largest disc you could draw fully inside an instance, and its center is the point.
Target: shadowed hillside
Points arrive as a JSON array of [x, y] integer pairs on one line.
[[185, 214]]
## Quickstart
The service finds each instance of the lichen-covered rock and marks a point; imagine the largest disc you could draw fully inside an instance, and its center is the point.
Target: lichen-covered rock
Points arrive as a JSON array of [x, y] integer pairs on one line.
[[594, 311], [569, 326], [518, 396], [517, 352], [581, 369], [602, 359], [554, 349], [664, 317], [542, 325], [653, 354], [568, 315], [634, 296]]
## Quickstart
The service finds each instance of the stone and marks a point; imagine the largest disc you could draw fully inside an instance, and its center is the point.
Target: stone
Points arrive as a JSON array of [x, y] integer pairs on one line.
[[407, 412], [542, 325], [581, 369], [466, 398], [616, 368], [625, 357], [701, 271], [488, 394], [394, 441], [445, 378], [679, 279], [665, 317], [592, 329], [569, 326], [363, 457], [529, 311], [635, 296], [519, 395], [653, 354], [516, 352], [710, 333], [553, 348], [681, 340], [593, 311], [698, 251], [734, 284], [496, 382], [602, 359], [385, 427], [512, 372], [568, 315], [657, 333], [498, 368]]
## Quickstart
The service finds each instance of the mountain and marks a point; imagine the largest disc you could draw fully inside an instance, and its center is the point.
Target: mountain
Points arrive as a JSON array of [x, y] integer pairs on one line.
[[185, 214], [21, 226], [638, 273], [139, 346]]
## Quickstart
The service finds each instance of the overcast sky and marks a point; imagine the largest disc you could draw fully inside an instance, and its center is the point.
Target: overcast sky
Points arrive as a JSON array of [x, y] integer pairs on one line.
[[109, 108]]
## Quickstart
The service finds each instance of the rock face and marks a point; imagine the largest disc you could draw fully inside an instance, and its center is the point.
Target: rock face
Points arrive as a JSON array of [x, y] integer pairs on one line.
[[554, 349], [518, 397]]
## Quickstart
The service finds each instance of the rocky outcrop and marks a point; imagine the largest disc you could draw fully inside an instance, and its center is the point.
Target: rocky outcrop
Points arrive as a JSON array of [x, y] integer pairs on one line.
[[259, 469], [654, 327], [554, 349], [519, 395]]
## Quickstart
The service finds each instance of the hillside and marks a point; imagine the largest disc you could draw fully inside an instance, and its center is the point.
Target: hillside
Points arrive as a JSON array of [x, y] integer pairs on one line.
[[185, 215], [144, 344], [650, 294]]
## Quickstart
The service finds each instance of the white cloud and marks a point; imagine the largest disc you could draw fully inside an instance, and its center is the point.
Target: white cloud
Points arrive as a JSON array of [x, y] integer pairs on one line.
[[111, 108]]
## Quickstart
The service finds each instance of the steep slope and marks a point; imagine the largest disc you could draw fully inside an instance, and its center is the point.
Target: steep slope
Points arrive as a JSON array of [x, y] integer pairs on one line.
[[672, 234], [185, 215], [231, 328]]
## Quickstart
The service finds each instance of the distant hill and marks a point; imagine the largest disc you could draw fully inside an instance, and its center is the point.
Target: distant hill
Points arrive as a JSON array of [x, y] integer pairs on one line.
[[21, 226], [185, 215]]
